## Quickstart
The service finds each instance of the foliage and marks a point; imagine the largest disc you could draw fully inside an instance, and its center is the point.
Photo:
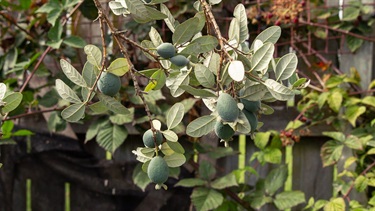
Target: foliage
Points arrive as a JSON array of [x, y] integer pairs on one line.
[[350, 116], [186, 72]]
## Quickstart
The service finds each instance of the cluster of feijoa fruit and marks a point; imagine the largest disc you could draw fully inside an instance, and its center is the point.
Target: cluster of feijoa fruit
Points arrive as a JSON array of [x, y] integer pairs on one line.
[[168, 51]]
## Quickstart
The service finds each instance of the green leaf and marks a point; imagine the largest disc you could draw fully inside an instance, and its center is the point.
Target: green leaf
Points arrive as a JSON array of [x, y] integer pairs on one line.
[[272, 155], [322, 99], [286, 66], [110, 137], [275, 179], [198, 92], [350, 13], [175, 159], [176, 147], [206, 199], [335, 100], [205, 43], [138, 11], [353, 142], [70, 3], [155, 37], [360, 183], [240, 14], [353, 112], [201, 126], [294, 124], [119, 67], [174, 83], [206, 170], [243, 125], [55, 122], [158, 79], [271, 34], [120, 119], [302, 82], [23, 132], [66, 92], [338, 136], [25, 4], [353, 43], [53, 15], [226, 181], [335, 204], [261, 139], [74, 112], [72, 73], [368, 100], [12, 101], [6, 128], [170, 135], [234, 30], [262, 58], [98, 107], [112, 104], [117, 8], [55, 32], [289, 199], [175, 115], [140, 178], [190, 182], [94, 55], [169, 21], [188, 103], [54, 44], [48, 7], [3, 89], [155, 14], [93, 130], [89, 74], [254, 92], [331, 152], [279, 91], [185, 31], [204, 76], [75, 42]]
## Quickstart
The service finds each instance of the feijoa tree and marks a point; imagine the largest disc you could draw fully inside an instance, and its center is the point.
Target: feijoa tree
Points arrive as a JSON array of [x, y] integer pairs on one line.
[[232, 78]]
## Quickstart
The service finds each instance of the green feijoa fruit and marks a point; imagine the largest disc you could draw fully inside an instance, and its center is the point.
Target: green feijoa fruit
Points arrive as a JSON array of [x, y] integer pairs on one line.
[[166, 50], [223, 131], [227, 107], [252, 118], [148, 138], [158, 170], [179, 60], [252, 106], [109, 84]]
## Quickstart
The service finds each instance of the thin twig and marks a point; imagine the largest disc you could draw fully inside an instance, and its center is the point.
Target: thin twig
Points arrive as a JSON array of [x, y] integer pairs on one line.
[[32, 113], [338, 30], [2, 13]]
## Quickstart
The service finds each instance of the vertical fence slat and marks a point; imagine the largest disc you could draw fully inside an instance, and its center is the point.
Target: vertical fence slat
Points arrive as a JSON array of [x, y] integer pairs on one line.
[[67, 196], [28, 195], [242, 156]]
